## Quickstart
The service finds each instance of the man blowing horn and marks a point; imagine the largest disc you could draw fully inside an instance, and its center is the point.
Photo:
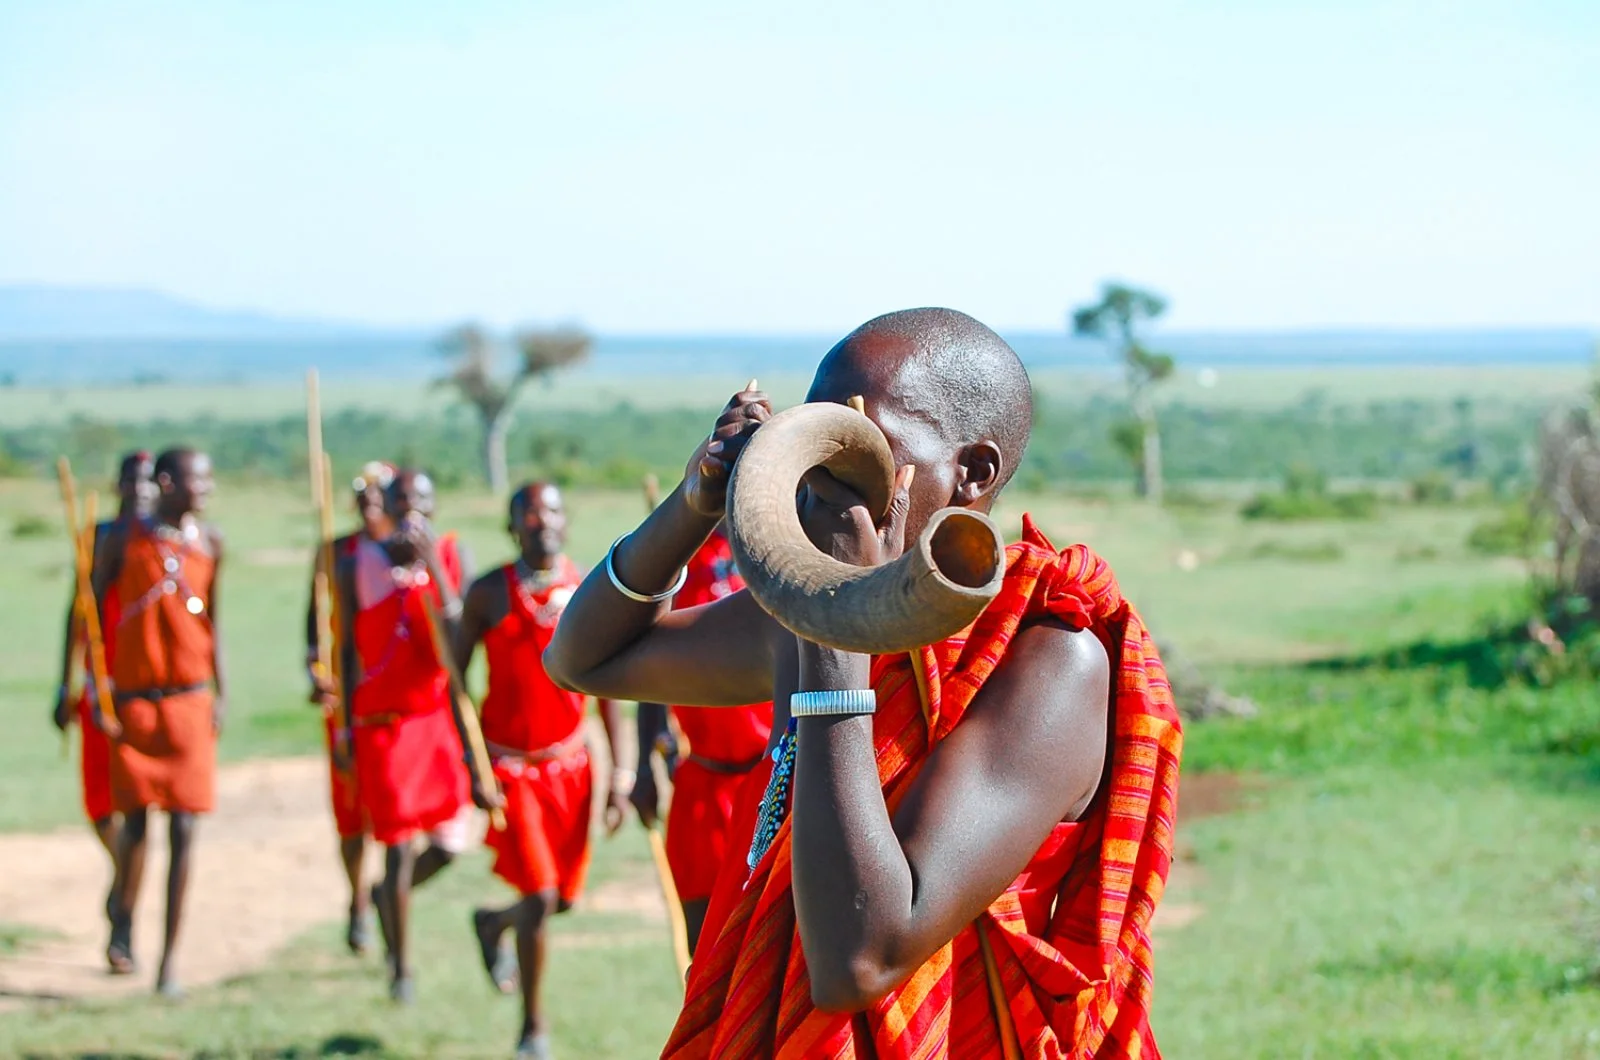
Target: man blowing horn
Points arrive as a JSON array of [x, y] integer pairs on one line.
[[953, 851]]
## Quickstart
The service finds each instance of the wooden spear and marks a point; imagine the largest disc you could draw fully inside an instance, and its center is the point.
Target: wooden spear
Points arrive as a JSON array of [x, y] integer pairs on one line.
[[464, 706], [88, 610]]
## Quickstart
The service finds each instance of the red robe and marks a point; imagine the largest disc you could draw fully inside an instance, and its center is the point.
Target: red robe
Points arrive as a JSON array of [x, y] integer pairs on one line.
[[94, 754], [162, 665], [1059, 965], [344, 794], [534, 730], [410, 769], [725, 744]]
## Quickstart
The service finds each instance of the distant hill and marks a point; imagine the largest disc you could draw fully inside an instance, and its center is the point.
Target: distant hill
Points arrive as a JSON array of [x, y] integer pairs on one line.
[[39, 312], [54, 336]]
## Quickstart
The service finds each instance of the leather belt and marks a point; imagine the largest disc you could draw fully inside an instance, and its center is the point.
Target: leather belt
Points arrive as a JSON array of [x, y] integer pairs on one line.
[[549, 753], [726, 769], [156, 695]]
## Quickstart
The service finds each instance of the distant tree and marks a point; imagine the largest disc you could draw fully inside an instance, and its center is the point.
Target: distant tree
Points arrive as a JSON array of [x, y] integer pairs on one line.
[[1115, 319], [475, 353]]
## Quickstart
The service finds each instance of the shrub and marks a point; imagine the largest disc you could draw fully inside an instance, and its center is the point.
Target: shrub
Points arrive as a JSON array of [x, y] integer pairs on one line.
[[1435, 487], [32, 526], [1513, 531]]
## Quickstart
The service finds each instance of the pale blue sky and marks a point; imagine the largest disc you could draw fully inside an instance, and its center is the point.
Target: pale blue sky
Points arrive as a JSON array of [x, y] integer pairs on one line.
[[739, 167]]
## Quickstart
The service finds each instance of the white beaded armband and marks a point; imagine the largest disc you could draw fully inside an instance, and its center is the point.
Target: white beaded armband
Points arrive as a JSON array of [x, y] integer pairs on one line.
[[849, 701]]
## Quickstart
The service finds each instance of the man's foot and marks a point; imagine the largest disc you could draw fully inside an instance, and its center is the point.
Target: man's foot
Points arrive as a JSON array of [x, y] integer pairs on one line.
[[499, 962], [534, 1047], [384, 924], [402, 990], [119, 951], [358, 934], [167, 986]]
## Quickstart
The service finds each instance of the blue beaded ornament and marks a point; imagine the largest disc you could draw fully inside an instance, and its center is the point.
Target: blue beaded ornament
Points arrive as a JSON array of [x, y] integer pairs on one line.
[[775, 800]]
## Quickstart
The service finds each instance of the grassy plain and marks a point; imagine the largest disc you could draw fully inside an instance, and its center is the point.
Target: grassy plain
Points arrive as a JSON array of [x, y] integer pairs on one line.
[[1412, 868], [1241, 387]]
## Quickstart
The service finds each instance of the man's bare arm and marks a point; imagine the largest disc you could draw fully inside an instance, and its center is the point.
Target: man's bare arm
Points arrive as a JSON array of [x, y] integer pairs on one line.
[[875, 897], [718, 655]]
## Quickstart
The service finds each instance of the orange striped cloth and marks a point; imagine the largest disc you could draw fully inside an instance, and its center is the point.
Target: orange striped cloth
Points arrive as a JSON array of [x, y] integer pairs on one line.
[[1060, 963]]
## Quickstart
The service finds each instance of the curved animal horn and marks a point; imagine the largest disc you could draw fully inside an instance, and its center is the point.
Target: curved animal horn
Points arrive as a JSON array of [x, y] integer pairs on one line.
[[937, 587]]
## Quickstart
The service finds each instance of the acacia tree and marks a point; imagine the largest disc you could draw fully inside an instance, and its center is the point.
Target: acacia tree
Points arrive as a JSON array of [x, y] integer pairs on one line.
[[1115, 319], [474, 373]]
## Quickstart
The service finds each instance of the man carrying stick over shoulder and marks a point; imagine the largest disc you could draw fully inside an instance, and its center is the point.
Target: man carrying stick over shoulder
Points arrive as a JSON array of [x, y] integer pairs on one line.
[[535, 737], [343, 794], [401, 710], [168, 679], [961, 845], [136, 491]]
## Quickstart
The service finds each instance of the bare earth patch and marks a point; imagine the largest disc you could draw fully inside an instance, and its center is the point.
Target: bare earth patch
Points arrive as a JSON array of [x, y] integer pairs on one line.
[[269, 848]]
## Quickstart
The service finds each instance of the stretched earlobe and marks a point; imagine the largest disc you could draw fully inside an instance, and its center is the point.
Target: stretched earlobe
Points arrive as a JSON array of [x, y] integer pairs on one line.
[[981, 466]]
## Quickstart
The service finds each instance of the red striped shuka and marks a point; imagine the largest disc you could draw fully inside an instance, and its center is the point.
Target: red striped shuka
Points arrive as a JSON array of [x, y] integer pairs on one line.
[[1059, 965]]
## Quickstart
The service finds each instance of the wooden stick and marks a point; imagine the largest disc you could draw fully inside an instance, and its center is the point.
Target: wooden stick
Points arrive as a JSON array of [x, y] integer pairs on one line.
[[87, 607], [321, 476], [652, 491], [469, 713], [669, 891]]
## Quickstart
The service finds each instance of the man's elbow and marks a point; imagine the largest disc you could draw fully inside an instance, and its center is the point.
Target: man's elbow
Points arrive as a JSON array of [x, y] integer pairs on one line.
[[555, 668], [847, 987]]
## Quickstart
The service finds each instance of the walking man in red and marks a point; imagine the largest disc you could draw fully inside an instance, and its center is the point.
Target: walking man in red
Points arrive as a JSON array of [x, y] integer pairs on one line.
[[342, 790], [136, 490], [166, 661], [725, 744], [534, 732], [400, 708]]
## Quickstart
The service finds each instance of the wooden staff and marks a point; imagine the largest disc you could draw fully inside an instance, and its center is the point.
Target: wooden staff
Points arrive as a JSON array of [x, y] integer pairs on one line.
[[669, 891], [88, 610], [321, 474], [469, 713]]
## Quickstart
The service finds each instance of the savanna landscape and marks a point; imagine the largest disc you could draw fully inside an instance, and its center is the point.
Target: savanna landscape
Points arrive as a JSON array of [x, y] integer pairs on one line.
[[1388, 838]]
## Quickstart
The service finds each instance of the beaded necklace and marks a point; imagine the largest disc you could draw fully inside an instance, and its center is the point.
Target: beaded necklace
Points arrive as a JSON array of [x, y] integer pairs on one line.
[[775, 800]]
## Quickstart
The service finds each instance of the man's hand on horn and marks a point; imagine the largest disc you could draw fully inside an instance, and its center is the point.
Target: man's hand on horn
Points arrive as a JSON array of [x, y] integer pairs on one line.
[[837, 521], [705, 480]]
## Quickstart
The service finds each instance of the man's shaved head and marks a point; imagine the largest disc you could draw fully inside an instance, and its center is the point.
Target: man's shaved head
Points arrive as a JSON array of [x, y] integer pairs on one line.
[[951, 396]]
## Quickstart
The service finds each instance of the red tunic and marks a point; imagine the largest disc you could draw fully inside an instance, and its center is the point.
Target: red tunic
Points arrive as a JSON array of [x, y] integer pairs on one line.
[[409, 761], [94, 757], [535, 734], [344, 794], [162, 663], [725, 743]]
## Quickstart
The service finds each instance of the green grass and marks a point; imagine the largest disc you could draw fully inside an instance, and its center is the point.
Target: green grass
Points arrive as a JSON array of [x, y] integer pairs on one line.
[[1261, 388], [1414, 875], [612, 999]]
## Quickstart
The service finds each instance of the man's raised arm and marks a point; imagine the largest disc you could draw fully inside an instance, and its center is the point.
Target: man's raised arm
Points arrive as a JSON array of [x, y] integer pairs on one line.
[[613, 644]]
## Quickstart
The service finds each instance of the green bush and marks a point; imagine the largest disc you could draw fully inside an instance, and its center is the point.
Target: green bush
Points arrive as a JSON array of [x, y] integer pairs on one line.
[[1306, 497], [1515, 530], [1434, 487], [32, 526], [1299, 552]]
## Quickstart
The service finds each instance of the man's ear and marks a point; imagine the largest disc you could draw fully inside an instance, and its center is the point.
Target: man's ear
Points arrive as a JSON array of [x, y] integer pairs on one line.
[[164, 482], [980, 467]]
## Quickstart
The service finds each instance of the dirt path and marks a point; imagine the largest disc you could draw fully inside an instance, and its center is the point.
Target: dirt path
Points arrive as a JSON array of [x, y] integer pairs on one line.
[[269, 848]]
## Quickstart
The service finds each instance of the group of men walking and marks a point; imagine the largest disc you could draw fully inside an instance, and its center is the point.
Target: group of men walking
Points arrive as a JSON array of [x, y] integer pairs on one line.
[[396, 732], [953, 850]]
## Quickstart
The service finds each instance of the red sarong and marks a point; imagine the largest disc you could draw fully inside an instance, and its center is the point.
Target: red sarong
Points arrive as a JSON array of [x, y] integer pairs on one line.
[[535, 734], [94, 753], [161, 669], [344, 794], [1069, 939], [410, 770], [725, 743]]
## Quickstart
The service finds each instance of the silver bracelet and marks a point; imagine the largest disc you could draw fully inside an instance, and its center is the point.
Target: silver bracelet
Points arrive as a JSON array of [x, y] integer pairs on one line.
[[844, 702], [643, 598]]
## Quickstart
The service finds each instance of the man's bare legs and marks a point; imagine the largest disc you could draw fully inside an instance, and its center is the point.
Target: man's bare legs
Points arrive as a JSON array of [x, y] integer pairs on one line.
[[527, 918], [353, 852], [181, 833], [126, 881], [404, 870]]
